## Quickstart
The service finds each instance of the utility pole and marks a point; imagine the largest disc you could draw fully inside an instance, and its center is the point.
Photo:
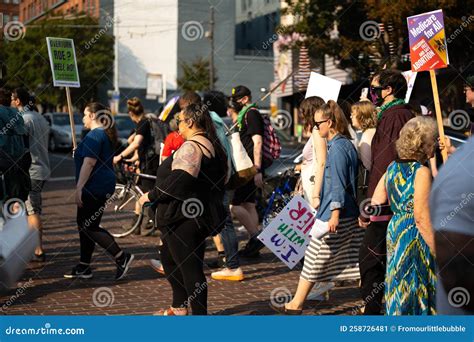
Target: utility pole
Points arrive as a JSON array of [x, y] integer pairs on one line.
[[116, 53], [211, 60], [115, 103]]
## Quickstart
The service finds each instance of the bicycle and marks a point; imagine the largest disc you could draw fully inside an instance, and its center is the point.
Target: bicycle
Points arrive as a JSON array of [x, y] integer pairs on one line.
[[120, 216], [280, 196]]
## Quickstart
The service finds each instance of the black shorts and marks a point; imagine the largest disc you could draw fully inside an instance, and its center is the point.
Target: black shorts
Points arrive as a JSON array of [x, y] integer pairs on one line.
[[245, 194]]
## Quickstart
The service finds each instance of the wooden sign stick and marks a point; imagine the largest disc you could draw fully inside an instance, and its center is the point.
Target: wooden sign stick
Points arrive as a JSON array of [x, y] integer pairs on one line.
[[439, 116], [71, 118]]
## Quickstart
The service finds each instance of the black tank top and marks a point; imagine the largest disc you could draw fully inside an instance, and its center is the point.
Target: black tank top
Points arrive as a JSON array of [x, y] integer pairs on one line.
[[211, 176]]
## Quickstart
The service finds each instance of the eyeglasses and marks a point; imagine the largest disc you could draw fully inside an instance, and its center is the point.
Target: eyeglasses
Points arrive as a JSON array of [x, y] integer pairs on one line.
[[178, 121], [319, 123]]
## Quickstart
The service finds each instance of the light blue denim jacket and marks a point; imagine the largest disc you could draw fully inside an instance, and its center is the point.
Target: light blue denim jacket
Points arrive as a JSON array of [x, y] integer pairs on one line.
[[340, 180]]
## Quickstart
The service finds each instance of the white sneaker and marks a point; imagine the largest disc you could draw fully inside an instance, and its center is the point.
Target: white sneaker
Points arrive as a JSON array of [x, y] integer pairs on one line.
[[157, 266], [228, 274], [317, 293]]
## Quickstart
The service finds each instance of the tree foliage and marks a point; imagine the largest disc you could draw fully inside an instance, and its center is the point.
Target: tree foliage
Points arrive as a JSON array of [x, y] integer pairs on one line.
[[27, 62], [195, 75], [316, 19]]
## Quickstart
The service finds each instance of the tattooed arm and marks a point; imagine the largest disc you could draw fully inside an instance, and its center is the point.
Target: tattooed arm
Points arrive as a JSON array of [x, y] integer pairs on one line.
[[181, 183], [188, 158]]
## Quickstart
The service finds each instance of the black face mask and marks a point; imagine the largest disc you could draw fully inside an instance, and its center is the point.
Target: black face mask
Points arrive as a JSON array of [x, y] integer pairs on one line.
[[376, 95], [237, 106]]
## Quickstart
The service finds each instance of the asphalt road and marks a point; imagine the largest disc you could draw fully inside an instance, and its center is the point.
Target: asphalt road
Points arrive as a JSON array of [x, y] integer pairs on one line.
[[62, 166]]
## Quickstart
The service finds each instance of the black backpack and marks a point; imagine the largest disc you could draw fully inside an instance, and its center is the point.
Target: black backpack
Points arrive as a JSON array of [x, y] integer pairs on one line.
[[159, 131]]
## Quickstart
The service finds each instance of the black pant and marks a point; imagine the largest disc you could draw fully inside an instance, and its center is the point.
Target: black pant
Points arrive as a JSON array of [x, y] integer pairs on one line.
[[372, 263], [182, 255], [88, 220]]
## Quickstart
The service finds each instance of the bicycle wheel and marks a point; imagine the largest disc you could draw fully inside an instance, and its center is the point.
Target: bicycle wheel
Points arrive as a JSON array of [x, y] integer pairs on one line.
[[119, 217]]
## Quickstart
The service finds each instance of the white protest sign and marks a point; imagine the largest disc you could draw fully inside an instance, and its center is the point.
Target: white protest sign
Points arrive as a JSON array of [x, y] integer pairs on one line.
[[288, 234], [410, 76], [325, 87]]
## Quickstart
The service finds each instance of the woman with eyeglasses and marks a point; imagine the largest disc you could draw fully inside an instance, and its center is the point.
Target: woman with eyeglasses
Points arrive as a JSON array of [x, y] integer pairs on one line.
[[334, 256], [189, 193]]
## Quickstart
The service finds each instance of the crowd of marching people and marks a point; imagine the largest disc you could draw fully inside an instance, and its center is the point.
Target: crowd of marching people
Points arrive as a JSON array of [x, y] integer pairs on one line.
[[372, 170]]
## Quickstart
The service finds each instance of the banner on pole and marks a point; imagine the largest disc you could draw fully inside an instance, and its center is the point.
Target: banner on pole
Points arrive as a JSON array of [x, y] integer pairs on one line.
[[62, 57], [428, 49], [289, 233]]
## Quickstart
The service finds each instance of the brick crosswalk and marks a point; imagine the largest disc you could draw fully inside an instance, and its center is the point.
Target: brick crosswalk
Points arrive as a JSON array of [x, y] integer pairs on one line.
[[43, 290]]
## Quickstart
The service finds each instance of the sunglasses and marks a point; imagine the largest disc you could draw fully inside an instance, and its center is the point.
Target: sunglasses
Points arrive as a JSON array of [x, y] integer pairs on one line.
[[375, 89], [319, 123]]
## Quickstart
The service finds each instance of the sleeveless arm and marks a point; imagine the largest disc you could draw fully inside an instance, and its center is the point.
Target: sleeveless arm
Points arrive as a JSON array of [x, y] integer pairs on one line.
[[421, 206], [188, 158], [380, 194], [320, 153]]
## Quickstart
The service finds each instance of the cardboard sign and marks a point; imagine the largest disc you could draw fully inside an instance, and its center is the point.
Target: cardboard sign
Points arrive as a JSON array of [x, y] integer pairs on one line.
[[62, 57], [325, 87], [428, 49], [289, 233]]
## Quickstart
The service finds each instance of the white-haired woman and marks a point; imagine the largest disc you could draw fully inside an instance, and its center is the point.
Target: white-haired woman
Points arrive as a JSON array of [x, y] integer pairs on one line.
[[410, 281]]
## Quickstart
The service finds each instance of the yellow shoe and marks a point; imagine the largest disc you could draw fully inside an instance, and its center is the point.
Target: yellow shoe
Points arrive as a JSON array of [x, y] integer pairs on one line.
[[228, 274]]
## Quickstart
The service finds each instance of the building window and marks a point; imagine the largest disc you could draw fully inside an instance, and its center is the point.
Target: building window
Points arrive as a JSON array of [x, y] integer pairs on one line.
[[6, 18], [16, 2], [15, 18], [254, 36]]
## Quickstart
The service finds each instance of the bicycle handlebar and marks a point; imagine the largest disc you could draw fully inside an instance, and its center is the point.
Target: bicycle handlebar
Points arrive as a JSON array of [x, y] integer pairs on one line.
[[128, 173]]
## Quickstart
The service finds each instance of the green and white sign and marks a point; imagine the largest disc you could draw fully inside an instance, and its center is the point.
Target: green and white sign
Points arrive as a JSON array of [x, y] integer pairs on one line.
[[62, 57]]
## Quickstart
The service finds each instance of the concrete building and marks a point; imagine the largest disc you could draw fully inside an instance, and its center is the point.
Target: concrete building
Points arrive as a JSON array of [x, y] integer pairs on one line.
[[255, 23], [157, 37]]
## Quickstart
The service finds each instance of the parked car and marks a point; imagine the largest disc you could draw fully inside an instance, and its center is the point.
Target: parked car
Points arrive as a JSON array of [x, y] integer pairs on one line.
[[60, 135], [124, 125]]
